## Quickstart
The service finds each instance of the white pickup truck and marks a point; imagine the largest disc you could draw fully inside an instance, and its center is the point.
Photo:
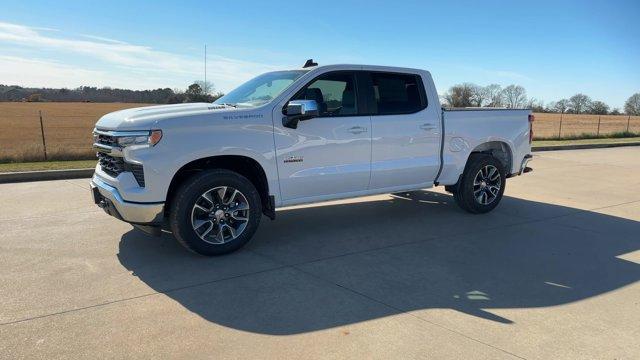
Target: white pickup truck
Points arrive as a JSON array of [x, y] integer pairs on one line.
[[209, 171]]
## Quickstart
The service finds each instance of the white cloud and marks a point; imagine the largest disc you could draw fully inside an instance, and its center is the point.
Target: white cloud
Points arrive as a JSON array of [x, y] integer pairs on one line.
[[22, 71], [124, 58], [104, 39]]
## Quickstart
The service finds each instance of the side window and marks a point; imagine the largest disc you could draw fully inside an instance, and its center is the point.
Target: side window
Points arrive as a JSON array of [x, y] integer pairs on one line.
[[334, 92], [397, 93]]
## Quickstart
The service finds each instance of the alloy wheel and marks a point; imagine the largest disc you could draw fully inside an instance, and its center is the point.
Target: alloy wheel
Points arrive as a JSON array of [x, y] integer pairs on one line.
[[486, 185], [220, 215]]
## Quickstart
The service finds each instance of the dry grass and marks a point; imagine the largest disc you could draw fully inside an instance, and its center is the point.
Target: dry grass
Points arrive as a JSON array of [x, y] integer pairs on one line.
[[68, 126], [548, 125]]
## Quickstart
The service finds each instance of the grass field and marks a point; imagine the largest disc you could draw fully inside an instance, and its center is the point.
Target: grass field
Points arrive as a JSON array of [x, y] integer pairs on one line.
[[67, 128], [549, 125], [47, 165]]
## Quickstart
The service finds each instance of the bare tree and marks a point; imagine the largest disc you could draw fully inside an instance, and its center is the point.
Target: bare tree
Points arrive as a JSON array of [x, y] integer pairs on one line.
[[561, 106], [514, 96], [535, 105], [459, 95], [478, 95], [493, 94], [632, 106], [598, 108], [579, 103]]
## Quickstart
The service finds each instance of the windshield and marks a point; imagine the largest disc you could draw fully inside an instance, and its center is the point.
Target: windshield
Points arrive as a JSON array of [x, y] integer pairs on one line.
[[260, 90]]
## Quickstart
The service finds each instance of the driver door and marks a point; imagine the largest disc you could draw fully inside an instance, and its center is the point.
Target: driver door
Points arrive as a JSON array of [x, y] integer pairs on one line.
[[329, 155]]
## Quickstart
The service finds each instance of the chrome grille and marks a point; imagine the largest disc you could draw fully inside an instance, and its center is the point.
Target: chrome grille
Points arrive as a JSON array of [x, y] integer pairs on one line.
[[110, 158], [105, 139]]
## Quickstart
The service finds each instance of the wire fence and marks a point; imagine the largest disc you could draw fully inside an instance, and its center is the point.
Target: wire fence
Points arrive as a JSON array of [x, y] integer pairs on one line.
[[559, 126], [65, 134], [40, 137], [50, 131]]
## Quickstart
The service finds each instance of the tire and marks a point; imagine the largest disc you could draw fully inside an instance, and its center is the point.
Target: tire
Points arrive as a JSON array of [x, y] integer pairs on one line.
[[482, 196], [209, 201]]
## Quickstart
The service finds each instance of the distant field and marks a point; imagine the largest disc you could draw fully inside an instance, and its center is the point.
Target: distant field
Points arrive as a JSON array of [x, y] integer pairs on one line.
[[548, 125], [68, 126]]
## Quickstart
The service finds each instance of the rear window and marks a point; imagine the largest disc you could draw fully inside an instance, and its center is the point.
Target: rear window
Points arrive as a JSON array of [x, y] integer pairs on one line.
[[397, 93]]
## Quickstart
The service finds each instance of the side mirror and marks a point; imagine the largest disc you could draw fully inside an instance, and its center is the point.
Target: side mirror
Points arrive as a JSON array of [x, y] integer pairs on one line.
[[299, 110]]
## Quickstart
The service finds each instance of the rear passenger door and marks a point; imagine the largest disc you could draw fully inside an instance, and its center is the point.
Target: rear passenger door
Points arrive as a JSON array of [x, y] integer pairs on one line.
[[405, 132]]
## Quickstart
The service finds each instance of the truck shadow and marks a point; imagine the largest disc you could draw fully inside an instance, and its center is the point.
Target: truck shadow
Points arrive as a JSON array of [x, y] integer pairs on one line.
[[331, 265]]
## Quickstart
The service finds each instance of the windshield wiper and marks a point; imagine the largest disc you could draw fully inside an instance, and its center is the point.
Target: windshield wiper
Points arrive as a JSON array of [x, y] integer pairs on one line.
[[228, 104]]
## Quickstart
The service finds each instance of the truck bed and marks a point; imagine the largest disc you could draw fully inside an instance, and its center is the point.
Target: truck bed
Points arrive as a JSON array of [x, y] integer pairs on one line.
[[467, 128]]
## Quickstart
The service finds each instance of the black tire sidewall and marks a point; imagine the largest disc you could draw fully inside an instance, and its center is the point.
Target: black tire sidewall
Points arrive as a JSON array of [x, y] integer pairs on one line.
[[465, 199], [190, 191]]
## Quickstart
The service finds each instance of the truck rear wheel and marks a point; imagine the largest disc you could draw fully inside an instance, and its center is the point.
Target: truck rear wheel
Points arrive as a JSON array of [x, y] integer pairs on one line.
[[481, 186], [215, 212]]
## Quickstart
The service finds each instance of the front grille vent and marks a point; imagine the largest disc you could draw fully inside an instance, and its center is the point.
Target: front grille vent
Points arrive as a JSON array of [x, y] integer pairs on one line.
[[138, 172], [112, 165], [115, 165]]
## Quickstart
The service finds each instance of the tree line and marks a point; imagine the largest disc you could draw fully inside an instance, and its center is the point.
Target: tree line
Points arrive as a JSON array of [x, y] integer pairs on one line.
[[199, 91], [461, 95], [515, 96]]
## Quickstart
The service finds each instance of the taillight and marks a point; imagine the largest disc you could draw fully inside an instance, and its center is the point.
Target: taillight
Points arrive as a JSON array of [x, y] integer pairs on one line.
[[531, 118]]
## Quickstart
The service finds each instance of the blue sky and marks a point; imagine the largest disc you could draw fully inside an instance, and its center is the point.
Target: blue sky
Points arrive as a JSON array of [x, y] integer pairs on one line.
[[552, 48]]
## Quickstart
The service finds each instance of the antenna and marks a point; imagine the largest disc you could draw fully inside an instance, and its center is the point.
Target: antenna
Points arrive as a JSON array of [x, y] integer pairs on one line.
[[309, 63], [205, 65]]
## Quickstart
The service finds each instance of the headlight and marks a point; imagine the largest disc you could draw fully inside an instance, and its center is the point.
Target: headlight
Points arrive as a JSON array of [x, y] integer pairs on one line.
[[153, 137]]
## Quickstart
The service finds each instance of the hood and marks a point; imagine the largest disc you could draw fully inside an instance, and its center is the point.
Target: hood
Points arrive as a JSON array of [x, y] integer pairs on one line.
[[145, 118]]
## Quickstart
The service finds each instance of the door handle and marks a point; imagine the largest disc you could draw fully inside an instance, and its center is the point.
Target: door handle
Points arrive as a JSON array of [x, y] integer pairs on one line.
[[427, 126], [357, 130]]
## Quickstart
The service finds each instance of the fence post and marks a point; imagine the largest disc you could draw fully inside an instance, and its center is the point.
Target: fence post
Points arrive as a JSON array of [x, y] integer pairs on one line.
[[598, 133], [628, 120], [560, 129], [44, 143]]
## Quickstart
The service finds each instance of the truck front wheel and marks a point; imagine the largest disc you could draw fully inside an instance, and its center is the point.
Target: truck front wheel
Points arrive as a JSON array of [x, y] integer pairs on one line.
[[215, 212], [481, 186]]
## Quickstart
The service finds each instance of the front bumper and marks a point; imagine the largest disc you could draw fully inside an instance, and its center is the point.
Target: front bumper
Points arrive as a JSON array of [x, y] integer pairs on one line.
[[109, 199]]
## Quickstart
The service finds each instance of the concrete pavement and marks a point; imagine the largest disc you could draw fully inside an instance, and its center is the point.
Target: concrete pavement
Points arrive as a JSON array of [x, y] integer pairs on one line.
[[551, 273]]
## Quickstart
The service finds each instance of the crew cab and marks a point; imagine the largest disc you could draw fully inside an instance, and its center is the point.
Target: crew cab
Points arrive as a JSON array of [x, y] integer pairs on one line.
[[207, 172]]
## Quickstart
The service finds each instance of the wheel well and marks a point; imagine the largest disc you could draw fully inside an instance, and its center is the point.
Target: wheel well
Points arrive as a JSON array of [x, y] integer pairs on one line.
[[499, 150], [242, 165]]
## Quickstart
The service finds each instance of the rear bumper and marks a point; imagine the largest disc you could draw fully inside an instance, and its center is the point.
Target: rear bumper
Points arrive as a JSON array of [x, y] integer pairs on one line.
[[109, 199], [523, 165]]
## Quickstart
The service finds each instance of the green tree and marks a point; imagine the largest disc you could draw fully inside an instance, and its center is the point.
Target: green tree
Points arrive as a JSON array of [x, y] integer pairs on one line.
[[632, 106], [579, 103], [194, 93]]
